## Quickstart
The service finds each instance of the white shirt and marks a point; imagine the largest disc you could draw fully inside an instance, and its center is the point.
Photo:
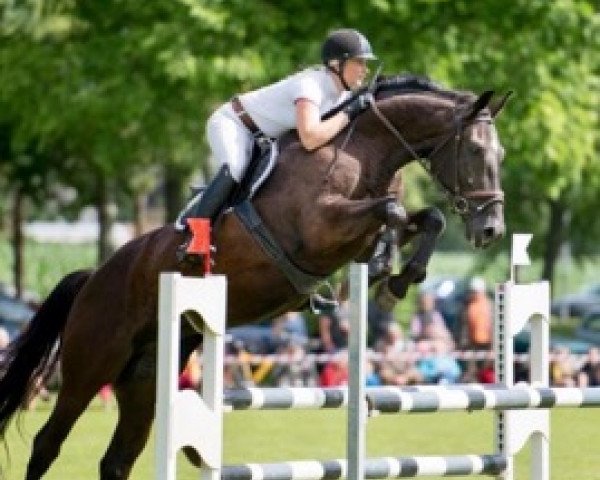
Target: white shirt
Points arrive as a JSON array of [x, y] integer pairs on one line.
[[273, 108]]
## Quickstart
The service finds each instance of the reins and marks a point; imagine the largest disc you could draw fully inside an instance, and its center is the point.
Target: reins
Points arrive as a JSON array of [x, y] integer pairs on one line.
[[459, 200]]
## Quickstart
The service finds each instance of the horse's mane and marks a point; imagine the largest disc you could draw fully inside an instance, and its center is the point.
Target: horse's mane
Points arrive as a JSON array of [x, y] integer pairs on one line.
[[402, 84], [410, 83], [406, 83]]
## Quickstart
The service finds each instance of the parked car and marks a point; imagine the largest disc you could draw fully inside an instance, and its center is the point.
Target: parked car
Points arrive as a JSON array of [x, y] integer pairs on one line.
[[589, 328], [577, 346], [14, 314], [576, 304]]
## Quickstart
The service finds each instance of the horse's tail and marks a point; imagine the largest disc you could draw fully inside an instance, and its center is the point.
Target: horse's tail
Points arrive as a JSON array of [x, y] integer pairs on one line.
[[33, 354]]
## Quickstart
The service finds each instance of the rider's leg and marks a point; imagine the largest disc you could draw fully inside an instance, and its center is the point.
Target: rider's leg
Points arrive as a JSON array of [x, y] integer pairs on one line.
[[208, 203], [231, 143]]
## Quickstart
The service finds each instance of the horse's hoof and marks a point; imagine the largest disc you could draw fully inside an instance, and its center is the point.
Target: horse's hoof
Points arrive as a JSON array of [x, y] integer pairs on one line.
[[398, 286], [385, 298], [321, 305], [413, 273]]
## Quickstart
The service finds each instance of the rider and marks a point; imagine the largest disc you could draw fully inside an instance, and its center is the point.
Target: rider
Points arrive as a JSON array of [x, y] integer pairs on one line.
[[297, 101]]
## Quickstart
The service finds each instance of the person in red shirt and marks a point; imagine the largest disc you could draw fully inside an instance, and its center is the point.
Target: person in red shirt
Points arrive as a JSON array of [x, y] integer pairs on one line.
[[335, 372]]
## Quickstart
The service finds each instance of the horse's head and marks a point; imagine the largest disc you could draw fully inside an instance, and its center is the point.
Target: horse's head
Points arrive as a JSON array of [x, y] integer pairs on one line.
[[466, 163], [462, 153]]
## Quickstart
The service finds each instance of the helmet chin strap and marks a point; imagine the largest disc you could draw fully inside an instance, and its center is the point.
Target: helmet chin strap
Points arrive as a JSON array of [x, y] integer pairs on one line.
[[339, 73]]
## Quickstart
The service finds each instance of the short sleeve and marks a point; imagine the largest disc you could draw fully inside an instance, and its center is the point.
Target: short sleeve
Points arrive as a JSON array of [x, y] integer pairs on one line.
[[307, 87]]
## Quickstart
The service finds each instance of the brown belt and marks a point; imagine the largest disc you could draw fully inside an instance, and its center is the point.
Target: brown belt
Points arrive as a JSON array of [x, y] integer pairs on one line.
[[246, 119]]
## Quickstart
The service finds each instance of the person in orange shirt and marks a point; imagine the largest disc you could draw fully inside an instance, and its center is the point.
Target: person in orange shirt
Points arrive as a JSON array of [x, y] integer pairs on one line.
[[476, 331]]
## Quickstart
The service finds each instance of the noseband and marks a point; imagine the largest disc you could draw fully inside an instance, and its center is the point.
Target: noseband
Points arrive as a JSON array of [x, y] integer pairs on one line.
[[461, 202]]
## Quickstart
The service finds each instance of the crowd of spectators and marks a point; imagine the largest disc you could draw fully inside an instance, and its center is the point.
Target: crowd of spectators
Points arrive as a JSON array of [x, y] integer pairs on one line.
[[425, 351], [287, 351]]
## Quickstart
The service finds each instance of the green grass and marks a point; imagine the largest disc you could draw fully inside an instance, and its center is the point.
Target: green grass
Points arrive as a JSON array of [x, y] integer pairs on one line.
[[285, 435], [45, 264]]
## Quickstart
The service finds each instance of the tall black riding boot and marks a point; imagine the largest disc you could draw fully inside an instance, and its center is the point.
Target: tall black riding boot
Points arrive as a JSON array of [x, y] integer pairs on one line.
[[209, 202]]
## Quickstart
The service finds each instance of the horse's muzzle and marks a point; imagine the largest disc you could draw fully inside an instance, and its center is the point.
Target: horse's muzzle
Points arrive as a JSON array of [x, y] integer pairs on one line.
[[485, 228]]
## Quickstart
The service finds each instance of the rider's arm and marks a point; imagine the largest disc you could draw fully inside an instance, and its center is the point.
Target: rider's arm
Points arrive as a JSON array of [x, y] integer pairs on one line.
[[312, 131]]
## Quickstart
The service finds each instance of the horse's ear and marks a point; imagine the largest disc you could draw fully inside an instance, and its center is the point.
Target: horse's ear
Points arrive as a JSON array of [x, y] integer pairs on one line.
[[498, 105], [479, 105]]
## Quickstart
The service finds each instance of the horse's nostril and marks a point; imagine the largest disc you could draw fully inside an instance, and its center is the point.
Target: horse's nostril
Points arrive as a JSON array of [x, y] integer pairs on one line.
[[489, 233]]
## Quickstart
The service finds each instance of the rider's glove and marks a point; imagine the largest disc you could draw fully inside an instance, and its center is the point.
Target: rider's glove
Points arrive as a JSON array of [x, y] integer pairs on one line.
[[357, 105]]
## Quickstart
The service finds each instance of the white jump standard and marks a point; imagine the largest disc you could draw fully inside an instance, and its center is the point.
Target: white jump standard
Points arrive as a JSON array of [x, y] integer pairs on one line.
[[185, 418]]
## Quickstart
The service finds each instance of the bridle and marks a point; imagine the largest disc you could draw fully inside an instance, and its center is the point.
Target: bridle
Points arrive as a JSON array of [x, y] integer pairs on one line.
[[465, 203]]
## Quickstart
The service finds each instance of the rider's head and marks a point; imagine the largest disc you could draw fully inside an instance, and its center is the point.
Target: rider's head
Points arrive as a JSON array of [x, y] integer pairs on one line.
[[345, 52]]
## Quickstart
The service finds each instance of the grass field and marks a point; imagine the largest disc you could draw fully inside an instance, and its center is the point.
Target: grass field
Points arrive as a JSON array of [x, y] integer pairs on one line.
[[271, 436]]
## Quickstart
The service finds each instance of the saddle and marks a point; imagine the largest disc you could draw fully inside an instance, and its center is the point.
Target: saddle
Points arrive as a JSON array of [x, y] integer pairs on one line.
[[262, 161]]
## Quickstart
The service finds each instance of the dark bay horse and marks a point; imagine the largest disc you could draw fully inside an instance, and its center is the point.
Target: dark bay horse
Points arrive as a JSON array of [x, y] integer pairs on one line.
[[325, 208]]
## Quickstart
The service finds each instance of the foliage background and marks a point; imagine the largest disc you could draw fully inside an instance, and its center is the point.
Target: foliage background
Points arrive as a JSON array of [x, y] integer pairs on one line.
[[104, 104]]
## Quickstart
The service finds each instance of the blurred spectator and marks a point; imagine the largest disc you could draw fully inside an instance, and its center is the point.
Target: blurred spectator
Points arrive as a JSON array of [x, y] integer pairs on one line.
[[333, 329], [106, 396], [397, 367], [478, 371], [589, 375], [562, 368], [298, 372], [289, 327], [487, 373], [438, 366], [192, 373], [393, 342], [476, 319], [372, 378], [378, 317], [335, 371], [427, 325], [239, 373]]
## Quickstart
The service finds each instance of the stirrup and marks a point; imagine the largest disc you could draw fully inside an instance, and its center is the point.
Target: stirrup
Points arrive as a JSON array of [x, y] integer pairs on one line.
[[180, 223], [321, 304]]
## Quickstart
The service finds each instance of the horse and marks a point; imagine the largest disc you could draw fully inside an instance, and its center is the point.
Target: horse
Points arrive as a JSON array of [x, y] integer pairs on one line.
[[325, 208]]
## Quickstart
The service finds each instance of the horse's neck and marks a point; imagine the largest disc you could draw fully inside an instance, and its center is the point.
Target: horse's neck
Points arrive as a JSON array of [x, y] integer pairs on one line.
[[417, 117], [420, 119]]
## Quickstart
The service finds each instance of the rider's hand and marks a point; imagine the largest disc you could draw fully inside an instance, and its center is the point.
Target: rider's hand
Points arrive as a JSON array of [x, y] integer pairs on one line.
[[357, 105]]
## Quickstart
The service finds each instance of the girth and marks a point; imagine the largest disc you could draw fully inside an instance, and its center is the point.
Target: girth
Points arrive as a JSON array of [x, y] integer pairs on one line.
[[304, 283]]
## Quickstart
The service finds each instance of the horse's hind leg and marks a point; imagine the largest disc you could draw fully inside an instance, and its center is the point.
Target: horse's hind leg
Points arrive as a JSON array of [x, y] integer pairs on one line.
[[46, 446], [135, 399]]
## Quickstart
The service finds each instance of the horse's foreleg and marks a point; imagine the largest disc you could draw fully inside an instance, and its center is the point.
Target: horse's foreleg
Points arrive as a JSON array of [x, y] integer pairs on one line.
[[429, 223]]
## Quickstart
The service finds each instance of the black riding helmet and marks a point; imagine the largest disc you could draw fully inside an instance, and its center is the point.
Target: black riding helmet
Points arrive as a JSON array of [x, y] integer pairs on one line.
[[343, 45]]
